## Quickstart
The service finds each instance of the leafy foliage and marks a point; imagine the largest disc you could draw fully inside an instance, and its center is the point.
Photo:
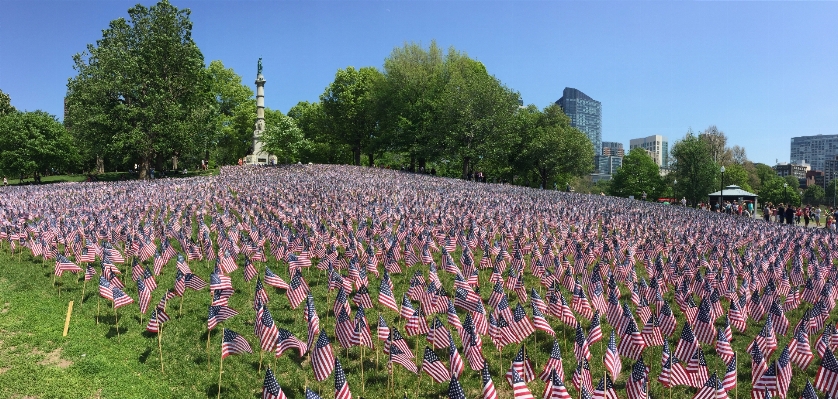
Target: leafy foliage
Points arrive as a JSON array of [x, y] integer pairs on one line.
[[142, 91], [282, 137], [814, 195], [234, 115], [638, 174], [692, 165], [34, 142], [6, 104]]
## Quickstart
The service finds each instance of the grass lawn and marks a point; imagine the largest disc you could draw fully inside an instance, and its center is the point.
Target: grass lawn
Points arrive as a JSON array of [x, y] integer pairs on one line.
[[95, 360], [107, 176]]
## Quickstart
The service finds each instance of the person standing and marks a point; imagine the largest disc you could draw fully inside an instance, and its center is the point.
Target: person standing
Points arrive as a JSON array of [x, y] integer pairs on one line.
[[789, 214], [817, 215], [806, 216], [781, 213]]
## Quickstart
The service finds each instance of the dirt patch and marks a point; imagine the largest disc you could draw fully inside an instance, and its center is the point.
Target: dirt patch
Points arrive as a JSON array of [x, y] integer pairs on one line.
[[53, 359], [6, 307], [4, 369]]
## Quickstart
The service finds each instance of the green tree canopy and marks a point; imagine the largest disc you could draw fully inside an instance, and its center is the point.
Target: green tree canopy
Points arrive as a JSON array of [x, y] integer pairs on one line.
[[350, 104], [35, 142], [141, 92], [638, 174], [553, 148], [738, 175], [814, 195], [775, 192], [6, 104], [234, 116], [282, 137], [692, 165]]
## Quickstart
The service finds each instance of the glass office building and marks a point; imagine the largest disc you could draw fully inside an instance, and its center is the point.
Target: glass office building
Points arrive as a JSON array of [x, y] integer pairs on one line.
[[585, 114], [814, 150]]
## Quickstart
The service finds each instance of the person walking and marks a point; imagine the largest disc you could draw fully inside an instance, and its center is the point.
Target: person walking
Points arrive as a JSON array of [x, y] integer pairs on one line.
[[806, 216], [817, 215], [789, 215]]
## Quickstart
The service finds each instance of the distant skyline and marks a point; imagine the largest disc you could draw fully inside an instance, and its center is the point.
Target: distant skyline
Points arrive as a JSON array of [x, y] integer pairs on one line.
[[762, 72]]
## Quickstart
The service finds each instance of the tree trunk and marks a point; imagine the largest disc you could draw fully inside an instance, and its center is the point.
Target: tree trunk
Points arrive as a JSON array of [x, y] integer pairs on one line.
[[174, 162], [144, 162], [465, 167], [356, 156], [543, 174], [412, 163], [100, 165], [371, 159]]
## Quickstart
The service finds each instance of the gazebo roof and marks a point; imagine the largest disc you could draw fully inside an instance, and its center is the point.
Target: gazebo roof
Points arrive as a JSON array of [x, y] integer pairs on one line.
[[733, 191]]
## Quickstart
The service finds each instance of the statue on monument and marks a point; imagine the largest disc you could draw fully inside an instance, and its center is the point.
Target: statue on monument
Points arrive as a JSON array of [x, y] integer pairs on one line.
[[259, 70]]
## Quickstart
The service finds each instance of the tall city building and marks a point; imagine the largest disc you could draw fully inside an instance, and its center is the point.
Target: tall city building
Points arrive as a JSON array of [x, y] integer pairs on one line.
[[814, 150], [657, 146], [585, 114], [612, 148]]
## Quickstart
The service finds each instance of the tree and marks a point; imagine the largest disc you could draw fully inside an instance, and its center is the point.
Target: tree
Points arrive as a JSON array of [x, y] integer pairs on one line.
[[477, 111], [829, 193], [234, 117], [35, 143], [737, 175], [414, 81], [554, 148], [775, 192], [142, 91], [716, 141], [350, 105], [792, 181], [814, 195], [692, 165], [322, 146], [282, 137], [6, 107], [638, 174]]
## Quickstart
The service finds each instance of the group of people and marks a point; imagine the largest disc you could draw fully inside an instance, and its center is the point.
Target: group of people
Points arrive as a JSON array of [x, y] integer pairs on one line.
[[790, 214]]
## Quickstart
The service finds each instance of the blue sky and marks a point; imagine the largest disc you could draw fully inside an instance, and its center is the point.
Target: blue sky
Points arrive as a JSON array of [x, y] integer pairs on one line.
[[762, 72]]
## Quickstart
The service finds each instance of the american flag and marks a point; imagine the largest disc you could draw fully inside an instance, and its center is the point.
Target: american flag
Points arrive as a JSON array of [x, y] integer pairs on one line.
[[758, 364], [455, 390], [708, 391], [397, 355], [687, 344], [784, 372], [297, 290], [826, 379], [344, 329], [489, 391], [456, 362], [800, 350], [595, 329], [271, 388], [582, 376], [553, 364], [266, 329], [259, 294], [540, 322], [729, 381], [382, 330], [322, 359], [519, 387], [809, 391], [220, 282], [612, 357], [233, 344], [143, 295], [697, 368], [605, 389], [217, 314], [341, 386], [194, 282], [385, 296], [287, 341], [765, 340], [521, 366], [105, 288], [274, 281], [637, 385], [723, 347], [311, 394], [434, 367], [704, 329], [361, 334], [581, 347], [556, 387], [120, 299]]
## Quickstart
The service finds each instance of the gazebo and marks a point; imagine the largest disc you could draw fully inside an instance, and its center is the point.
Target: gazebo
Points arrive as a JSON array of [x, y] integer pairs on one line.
[[733, 193]]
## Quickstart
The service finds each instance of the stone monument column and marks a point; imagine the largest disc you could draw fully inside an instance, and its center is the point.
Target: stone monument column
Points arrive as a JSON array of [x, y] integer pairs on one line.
[[259, 156]]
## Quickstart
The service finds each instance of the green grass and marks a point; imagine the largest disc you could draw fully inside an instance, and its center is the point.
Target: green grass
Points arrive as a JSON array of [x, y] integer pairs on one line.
[[107, 176], [95, 360]]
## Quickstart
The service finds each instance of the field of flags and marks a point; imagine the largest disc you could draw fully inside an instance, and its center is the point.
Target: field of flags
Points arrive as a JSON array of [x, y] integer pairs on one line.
[[315, 281]]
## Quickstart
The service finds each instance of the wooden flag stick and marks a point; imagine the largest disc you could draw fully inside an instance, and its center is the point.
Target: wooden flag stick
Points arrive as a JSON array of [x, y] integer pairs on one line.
[[220, 370], [362, 371], [116, 315], [98, 301], [209, 332], [83, 288], [180, 309], [67, 320], [160, 345], [418, 383], [261, 354]]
